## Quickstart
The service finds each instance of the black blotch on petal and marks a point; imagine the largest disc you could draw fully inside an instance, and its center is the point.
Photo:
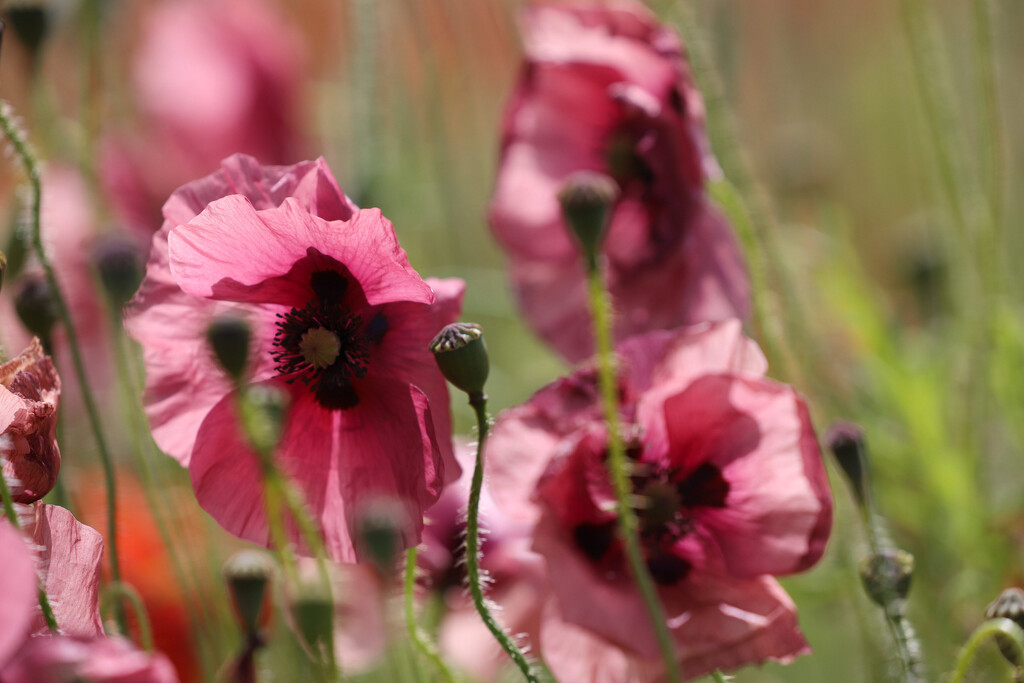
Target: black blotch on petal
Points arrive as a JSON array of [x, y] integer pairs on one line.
[[704, 487], [594, 539]]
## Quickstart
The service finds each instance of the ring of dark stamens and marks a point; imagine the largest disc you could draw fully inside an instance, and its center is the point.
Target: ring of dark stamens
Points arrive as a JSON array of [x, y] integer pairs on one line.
[[331, 385]]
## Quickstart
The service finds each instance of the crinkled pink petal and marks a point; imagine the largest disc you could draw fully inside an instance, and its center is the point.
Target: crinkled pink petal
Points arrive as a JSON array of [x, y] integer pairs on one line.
[[183, 380], [60, 659], [340, 460], [17, 591], [232, 252], [69, 566], [778, 511], [29, 395]]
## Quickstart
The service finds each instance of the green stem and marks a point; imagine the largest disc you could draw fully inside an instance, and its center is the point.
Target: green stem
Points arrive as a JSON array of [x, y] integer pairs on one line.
[[12, 517], [627, 521], [31, 168], [1008, 630], [416, 634], [476, 590], [116, 592], [718, 676]]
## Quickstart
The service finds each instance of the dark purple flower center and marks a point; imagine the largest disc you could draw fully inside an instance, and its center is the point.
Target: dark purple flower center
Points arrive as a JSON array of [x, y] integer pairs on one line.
[[665, 518], [324, 344]]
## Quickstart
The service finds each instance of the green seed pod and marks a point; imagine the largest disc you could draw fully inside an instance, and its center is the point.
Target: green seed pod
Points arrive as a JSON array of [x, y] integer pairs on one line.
[[229, 336], [35, 307], [886, 576], [247, 573], [587, 199], [461, 353]]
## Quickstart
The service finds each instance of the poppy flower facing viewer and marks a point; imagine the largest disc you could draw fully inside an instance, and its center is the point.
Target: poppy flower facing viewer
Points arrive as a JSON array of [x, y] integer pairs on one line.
[[605, 88], [340, 322], [734, 488]]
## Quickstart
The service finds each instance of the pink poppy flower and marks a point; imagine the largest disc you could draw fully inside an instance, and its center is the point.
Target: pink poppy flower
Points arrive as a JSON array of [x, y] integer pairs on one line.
[[736, 492], [340, 322], [606, 88], [17, 591], [65, 659], [211, 78], [29, 394]]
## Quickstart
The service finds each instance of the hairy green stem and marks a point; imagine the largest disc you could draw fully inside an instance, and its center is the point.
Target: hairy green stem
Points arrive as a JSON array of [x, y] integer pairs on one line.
[[418, 637], [476, 590], [627, 521], [1007, 631], [115, 592], [12, 517], [31, 168]]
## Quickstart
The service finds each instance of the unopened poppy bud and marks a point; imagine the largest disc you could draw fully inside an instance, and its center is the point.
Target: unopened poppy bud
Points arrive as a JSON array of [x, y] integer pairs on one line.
[[379, 534], [263, 413], [461, 354], [30, 21], [313, 610], [1009, 605], [886, 576], [119, 264], [229, 336], [247, 573], [846, 441], [35, 307], [587, 199]]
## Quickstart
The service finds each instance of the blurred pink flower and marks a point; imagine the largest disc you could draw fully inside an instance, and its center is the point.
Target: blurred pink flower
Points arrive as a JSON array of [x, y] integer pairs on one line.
[[66, 659], [212, 78], [606, 88], [340, 321], [736, 492], [17, 591], [29, 395]]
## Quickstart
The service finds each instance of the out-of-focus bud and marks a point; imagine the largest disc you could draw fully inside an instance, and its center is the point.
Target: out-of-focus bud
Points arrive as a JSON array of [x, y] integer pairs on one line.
[[230, 336], [886, 576], [846, 441], [1009, 605], [119, 264], [30, 21], [313, 611], [3, 267], [461, 353], [587, 199], [34, 304], [247, 573], [380, 531], [263, 412]]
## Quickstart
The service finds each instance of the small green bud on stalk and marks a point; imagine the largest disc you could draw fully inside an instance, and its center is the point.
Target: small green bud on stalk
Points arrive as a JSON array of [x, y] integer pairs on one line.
[[119, 264], [1009, 605], [263, 409], [846, 441], [229, 336], [461, 354], [247, 573], [313, 610], [587, 199], [886, 576], [379, 532], [35, 307]]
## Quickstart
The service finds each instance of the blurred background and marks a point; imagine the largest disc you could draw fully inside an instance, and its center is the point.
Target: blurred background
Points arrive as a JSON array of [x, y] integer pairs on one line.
[[884, 141]]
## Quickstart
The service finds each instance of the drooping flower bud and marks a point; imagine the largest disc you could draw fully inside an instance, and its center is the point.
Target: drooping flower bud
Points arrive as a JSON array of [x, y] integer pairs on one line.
[[379, 532], [247, 573], [1009, 605], [35, 307], [229, 336], [461, 353], [846, 441], [119, 264], [587, 199], [886, 576]]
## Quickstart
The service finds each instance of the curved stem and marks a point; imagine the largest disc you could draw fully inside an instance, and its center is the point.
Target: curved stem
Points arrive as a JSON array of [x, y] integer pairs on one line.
[[479, 403], [416, 634], [118, 590], [31, 168], [627, 521], [12, 517], [1008, 630]]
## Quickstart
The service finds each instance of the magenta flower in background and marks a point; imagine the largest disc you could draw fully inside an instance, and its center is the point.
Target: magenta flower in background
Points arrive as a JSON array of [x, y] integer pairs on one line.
[[606, 88], [17, 591], [211, 78], [29, 395], [736, 493], [66, 659], [340, 322]]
